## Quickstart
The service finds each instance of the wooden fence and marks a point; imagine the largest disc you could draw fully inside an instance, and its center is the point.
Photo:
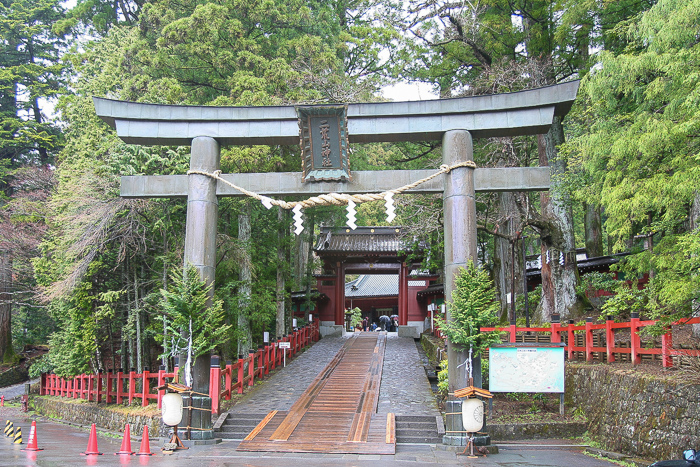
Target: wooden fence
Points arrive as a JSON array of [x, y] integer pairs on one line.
[[119, 387], [597, 341]]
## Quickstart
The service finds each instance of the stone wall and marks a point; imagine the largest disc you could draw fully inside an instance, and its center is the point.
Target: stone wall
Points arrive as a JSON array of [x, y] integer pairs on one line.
[[14, 375], [645, 416], [108, 417]]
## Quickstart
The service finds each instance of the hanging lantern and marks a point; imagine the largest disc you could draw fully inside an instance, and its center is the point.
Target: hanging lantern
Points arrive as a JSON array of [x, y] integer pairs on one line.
[[472, 415], [172, 409]]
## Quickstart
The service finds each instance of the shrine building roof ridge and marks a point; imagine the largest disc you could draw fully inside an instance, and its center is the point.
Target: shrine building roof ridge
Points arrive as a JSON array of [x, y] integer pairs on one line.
[[509, 114], [362, 239]]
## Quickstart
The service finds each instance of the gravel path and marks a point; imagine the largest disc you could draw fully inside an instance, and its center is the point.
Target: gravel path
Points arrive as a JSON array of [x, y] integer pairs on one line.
[[11, 392]]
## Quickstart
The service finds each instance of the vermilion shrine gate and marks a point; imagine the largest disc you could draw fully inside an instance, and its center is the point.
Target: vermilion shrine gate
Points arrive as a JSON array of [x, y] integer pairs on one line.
[[454, 121]]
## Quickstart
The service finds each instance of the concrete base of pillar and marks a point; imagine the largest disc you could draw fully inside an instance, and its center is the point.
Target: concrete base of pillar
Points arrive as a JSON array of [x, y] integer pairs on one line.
[[200, 442], [409, 331], [331, 330], [199, 418]]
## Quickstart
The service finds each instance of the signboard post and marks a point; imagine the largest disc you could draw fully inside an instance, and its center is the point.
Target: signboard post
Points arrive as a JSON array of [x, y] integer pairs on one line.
[[285, 346]]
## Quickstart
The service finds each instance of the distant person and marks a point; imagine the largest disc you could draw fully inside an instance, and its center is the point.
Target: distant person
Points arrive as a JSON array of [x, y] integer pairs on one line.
[[385, 322], [364, 324]]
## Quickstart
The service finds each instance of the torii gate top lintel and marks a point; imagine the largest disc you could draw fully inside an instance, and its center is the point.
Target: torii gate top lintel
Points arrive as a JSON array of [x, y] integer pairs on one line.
[[512, 114]]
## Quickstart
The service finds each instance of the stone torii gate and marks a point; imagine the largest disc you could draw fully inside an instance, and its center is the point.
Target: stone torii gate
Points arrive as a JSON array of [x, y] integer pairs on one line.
[[455, 121]]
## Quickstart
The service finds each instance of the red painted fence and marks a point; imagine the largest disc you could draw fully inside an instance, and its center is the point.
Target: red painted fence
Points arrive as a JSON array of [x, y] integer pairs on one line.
[[567, 333], [121, 386]]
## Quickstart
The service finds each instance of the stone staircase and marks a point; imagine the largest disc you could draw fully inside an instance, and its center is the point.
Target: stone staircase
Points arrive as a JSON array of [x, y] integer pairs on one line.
[[410, 429], [419, 429], [237, 426]]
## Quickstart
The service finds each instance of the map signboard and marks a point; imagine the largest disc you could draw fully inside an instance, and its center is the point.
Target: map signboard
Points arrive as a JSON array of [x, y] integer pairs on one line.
[[526, 368]]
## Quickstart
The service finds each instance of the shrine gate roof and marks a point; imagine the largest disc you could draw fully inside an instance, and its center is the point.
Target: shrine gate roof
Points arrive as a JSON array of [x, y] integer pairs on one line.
[[364, 240]]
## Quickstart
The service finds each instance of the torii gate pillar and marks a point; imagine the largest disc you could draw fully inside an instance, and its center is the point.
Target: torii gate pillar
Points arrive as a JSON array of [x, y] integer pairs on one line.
[[200, 252], [459, 207]]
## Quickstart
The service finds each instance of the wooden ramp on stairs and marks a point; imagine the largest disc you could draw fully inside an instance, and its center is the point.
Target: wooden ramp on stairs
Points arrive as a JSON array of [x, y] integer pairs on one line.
[[337, 412]]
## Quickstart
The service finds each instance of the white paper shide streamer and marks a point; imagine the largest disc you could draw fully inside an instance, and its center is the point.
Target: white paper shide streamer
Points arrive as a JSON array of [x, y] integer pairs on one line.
[[351, 215], [389, 205], [298, 220]]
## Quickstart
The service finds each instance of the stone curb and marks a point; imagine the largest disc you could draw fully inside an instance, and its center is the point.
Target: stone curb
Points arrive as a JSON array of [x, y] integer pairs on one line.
[[617, 456]]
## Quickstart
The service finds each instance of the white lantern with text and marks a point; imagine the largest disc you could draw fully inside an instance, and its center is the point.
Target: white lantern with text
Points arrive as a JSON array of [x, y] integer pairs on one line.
[[172, 409], [472, 415]]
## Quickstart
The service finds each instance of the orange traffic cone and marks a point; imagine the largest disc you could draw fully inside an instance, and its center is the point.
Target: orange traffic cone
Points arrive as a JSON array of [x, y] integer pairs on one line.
[[33, 445], [145, 449], [92, 443], [126, 442]]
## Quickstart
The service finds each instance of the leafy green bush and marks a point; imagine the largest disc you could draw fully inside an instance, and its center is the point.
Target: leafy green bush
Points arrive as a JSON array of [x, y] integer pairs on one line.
[[442, 378], [473, 305]]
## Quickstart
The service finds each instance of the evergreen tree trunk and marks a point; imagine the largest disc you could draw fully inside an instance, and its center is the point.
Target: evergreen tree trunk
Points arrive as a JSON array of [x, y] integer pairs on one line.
[[245, 338], [694, 227], [6, 351], [593, 230], [559, 269], [504, 267], [281, 284], [137, 319]]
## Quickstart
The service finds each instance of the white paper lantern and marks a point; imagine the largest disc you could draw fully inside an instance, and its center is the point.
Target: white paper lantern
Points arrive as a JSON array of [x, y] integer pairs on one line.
[[172, 409], [472, 415]]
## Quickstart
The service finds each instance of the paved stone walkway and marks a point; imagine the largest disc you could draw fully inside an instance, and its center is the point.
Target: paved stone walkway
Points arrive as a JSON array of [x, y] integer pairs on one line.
[[404, 390]]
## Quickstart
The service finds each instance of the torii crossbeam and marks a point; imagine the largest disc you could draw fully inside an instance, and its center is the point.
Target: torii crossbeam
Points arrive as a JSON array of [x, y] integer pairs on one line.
[[455, 121]]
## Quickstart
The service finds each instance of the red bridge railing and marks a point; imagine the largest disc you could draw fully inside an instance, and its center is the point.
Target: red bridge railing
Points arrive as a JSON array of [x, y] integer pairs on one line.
[[119, 387], [603, 334]]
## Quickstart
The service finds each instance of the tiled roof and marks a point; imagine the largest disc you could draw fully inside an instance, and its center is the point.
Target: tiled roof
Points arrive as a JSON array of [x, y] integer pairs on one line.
[[361, 240], [375, 285]]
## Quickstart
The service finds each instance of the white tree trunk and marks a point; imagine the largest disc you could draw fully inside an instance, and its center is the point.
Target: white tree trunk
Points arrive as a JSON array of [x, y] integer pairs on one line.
[[188, 364]]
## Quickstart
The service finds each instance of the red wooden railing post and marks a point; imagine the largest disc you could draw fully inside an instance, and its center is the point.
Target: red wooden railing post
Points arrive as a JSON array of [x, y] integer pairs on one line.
[[609, 339], [229, 379], [261, 361], [161, 382], [75, 387], [588, 339], [145, 387], [512, 331], [635, 341], [251, 367], [120, 385], [273, 344], [666, 346], [267, 359], [215, 384], [91, 385], [108, 387], [241, 374], [62, 387], [132, 385], [99, 387], [556, 325], [571, 340]]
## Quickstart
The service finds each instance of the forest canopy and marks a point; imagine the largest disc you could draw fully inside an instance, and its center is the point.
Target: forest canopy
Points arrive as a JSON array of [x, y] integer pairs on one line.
[[86, 271]]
